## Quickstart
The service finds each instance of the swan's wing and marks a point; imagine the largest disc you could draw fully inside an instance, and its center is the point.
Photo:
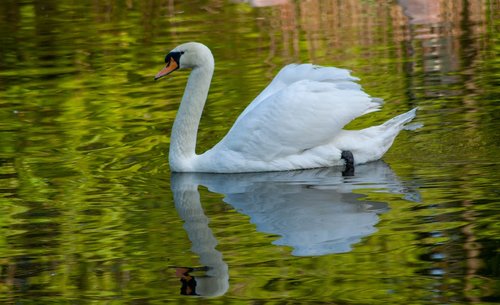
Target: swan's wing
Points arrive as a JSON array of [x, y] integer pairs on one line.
[[296, 117], [293, 73]]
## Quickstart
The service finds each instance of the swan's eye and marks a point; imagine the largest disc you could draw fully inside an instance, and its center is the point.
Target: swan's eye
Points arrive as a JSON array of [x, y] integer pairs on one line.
[[173, 55]]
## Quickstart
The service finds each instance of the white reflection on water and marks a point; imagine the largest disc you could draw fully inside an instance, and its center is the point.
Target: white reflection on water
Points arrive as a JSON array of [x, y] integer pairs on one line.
[[316, 212], [264, 3]]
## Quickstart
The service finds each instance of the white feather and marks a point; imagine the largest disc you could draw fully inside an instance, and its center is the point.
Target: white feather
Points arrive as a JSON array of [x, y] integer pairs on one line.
[[295, 123]]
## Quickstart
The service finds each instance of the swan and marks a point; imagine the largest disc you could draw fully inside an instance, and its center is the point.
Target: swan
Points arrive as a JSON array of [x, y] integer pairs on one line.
[[294, 123]]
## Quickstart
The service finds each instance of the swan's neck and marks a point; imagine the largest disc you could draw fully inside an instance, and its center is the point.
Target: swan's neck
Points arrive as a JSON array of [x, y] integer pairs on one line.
[[184, 131]]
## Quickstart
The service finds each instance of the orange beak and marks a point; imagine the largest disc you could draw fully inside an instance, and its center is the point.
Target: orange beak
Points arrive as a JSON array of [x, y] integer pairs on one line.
[[169, 68]]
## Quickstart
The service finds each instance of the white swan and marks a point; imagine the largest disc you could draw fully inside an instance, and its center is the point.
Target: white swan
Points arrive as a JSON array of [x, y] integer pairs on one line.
[[295, 123]]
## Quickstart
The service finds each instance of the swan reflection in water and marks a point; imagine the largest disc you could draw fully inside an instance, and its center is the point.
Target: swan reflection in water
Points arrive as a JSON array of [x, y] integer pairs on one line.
[[316, 212]]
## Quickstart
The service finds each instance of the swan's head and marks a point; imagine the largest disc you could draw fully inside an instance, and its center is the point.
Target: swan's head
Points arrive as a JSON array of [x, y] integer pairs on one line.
[[187, 56]]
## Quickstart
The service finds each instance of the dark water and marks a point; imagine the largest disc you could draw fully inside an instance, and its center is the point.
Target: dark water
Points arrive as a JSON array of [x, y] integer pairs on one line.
[[90, 213]]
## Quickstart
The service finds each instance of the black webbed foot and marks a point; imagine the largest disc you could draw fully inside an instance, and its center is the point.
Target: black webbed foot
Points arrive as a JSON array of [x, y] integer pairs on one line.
[[349, 163]]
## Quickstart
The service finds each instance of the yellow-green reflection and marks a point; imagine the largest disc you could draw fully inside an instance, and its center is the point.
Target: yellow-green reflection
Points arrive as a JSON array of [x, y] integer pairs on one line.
[[86, 211]]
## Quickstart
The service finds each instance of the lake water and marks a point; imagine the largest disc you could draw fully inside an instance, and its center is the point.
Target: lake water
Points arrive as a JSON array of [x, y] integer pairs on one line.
[[91, 214]]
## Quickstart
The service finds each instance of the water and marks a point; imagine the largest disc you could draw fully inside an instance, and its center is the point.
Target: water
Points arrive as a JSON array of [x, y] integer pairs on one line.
[[90, 213]]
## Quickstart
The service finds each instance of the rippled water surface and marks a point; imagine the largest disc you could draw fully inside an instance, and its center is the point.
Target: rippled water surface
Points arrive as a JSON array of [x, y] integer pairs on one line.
[[91, 214]]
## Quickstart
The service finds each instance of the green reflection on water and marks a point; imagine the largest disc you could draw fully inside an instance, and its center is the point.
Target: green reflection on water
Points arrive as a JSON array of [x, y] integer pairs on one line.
[[86, 212]]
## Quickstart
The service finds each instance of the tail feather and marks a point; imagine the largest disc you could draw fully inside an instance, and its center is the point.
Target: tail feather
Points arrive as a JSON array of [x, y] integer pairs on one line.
[[372, 143], [400, 120]]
